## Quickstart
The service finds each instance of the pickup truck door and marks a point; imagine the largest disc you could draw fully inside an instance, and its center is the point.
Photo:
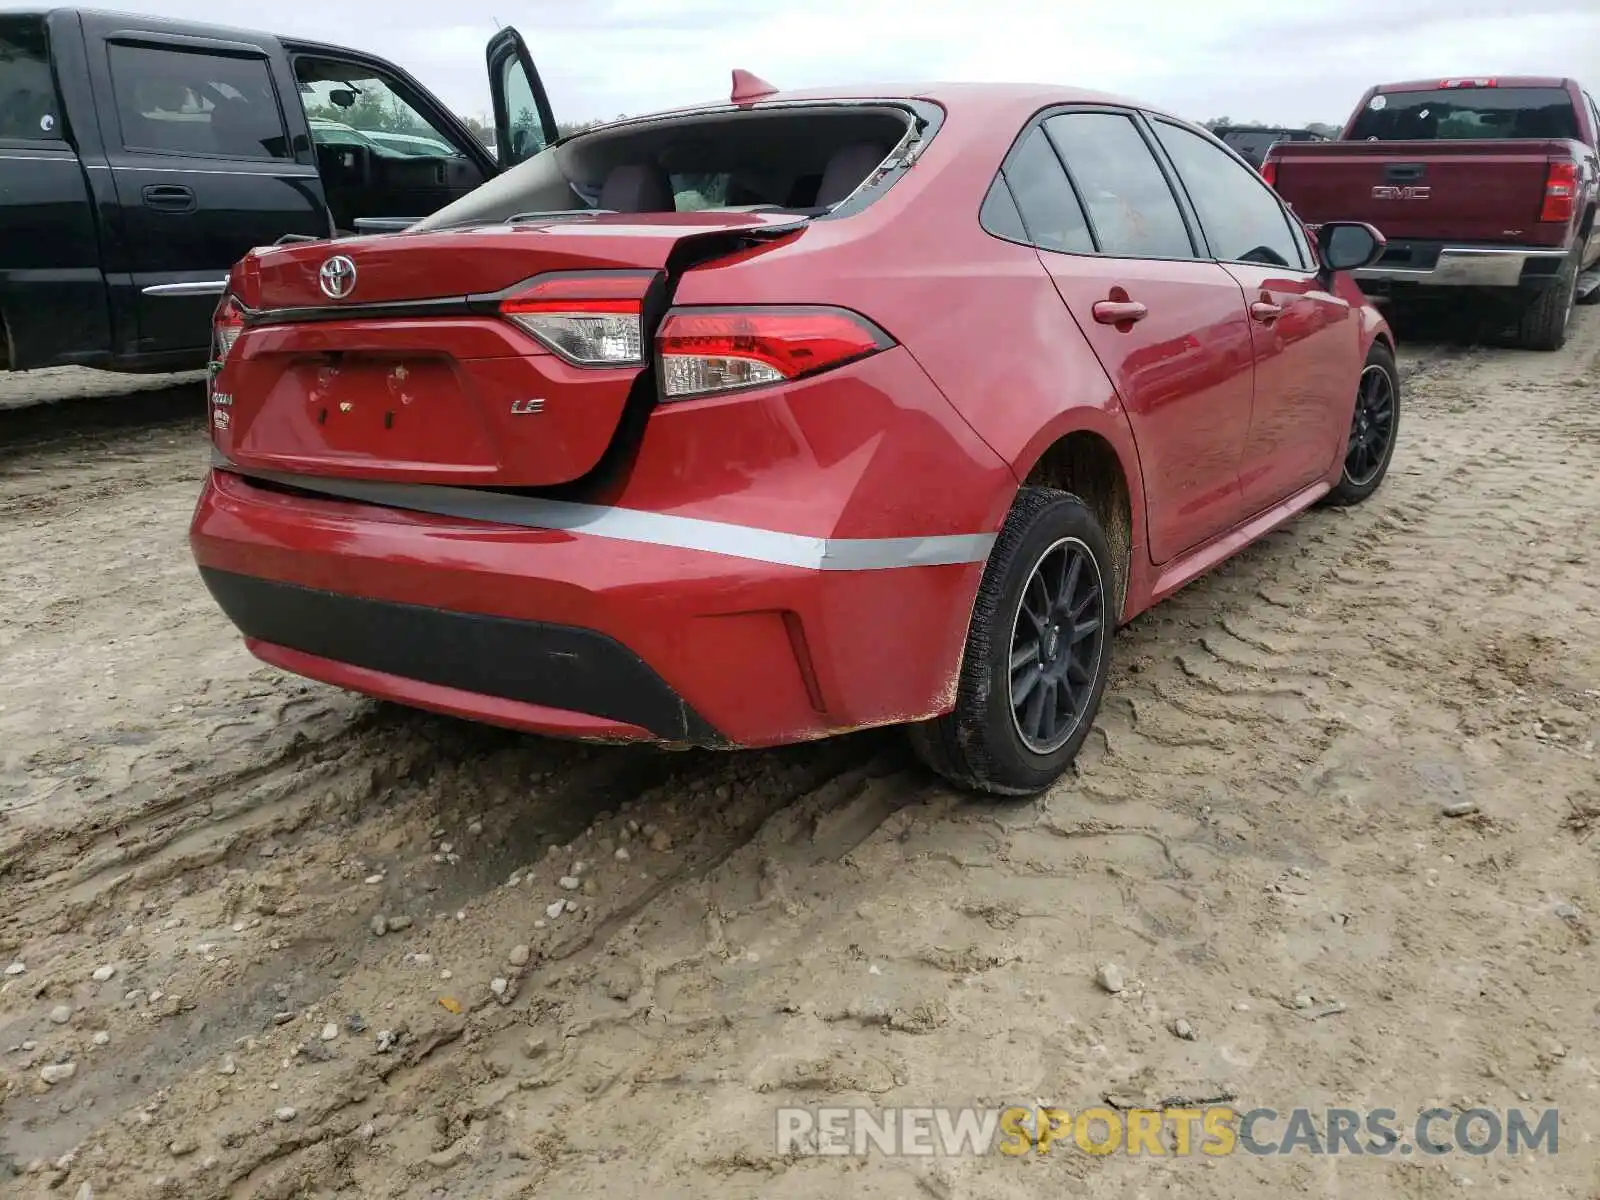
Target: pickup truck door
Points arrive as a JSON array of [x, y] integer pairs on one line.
[[354, 105], [203, 164], [52, 292], [1305, 338], [523, 121]]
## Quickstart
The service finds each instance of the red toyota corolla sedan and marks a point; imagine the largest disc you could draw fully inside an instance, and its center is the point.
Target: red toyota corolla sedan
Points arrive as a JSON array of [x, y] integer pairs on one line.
[[756, 423]]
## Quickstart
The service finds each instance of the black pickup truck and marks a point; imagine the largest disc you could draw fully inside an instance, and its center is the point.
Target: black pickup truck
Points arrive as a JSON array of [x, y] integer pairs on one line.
[[1251, 142], [140, 158]]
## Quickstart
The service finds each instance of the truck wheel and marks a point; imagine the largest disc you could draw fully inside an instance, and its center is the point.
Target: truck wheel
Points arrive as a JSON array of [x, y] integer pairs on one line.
[[1544, 325], [1037, 655], [1374, 425]]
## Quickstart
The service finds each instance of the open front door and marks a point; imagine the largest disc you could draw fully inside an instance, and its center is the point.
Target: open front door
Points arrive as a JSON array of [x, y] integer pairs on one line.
[[523, 122]]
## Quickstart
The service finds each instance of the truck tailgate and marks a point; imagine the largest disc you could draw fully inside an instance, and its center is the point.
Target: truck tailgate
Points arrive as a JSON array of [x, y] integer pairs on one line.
[[1468, 191]]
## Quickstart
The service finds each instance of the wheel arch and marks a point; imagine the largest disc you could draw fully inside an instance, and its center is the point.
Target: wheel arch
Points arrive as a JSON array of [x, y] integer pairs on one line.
[[1087, 455], [1375, 328]]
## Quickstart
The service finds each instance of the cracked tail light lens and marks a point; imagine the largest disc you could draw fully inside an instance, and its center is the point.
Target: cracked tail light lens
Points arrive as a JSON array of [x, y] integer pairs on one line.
[[225, 329], [708, 351], [591, 320]]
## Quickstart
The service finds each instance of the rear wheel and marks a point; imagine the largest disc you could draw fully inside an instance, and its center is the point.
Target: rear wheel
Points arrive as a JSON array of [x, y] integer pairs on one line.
[[1374, 425], [1037, 655], [1544, 325]]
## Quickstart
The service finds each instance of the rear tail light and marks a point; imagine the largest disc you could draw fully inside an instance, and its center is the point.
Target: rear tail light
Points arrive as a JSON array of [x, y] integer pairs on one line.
[[709, 351], [589, 319], [1466, 83], [1560, 192], [226, 326], [1269, 172]]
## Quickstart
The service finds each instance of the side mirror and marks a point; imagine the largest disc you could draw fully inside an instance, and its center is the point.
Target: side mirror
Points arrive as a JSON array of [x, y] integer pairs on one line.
[[1349, 245]]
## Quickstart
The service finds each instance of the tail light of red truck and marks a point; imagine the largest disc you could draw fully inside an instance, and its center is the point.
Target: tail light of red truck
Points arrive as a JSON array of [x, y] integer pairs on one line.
[[1560, 192]]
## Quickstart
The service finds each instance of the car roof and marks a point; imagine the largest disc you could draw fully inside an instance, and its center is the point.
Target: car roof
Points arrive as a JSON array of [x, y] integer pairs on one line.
[[970, 100]]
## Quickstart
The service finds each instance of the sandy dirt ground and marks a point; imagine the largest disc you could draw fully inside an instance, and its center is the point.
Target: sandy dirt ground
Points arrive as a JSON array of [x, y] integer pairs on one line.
[[261, 938]]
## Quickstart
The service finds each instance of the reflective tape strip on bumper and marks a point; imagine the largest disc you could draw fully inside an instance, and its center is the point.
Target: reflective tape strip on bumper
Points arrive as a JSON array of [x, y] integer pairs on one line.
[[650, 528]]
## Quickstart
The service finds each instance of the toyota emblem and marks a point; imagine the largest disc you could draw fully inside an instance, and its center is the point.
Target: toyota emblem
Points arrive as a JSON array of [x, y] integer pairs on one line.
[[337, 277]]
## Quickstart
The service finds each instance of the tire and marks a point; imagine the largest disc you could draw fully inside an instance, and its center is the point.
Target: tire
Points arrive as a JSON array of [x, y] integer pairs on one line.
[[980, 745], [1360, 476], [1583, 240], [1544, 325]]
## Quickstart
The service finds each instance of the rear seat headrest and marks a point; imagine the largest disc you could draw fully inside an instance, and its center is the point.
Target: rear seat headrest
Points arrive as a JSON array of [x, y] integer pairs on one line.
[[846, 169], [637, 187]]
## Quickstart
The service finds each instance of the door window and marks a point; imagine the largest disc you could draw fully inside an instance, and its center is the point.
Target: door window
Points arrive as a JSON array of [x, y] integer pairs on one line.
[[28, 108], [351, 105], [1241, 218], [1045, 202], [525, 125], [192, 102], [1131, 207]]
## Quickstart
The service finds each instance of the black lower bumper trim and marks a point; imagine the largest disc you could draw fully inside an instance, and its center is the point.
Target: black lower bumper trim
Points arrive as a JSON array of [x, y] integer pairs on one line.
[[556, 666]]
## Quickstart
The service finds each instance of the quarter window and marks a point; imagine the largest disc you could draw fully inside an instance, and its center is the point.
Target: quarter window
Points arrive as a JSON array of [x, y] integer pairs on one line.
[[1050, 212], [1242, 220], [189, 102], [1131, 206], [999, 213], [28, 107]]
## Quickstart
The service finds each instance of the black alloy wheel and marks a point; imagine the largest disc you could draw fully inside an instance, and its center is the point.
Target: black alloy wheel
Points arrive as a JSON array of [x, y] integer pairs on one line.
[[1371, 426], [1057, 638], [1037, 655]]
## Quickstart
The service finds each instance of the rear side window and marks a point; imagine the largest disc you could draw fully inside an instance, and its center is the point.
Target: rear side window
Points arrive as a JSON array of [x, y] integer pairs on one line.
[[1134, 212], [28, 107], [1242, 220], [1454, 114], [999, 213], [189, 102], [1049, 211]]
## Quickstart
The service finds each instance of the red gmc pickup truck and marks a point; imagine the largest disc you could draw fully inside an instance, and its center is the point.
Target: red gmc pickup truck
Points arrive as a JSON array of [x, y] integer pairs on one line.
[[1485, 189]]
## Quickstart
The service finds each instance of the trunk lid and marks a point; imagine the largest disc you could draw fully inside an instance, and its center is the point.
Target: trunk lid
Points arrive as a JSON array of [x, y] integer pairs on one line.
[[414, 374], [1464, 191]]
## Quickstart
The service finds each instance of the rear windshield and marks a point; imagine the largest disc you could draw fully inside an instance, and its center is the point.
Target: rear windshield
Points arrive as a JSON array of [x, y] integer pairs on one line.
[[800, 159], [28, 108], [1455, 114]]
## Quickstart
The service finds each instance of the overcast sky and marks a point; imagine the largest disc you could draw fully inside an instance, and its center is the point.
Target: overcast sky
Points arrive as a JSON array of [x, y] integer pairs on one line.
[[1304, 60]]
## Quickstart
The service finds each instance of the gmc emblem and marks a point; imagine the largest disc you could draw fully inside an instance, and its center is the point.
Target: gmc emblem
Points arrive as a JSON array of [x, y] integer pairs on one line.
[[1386, 192]]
